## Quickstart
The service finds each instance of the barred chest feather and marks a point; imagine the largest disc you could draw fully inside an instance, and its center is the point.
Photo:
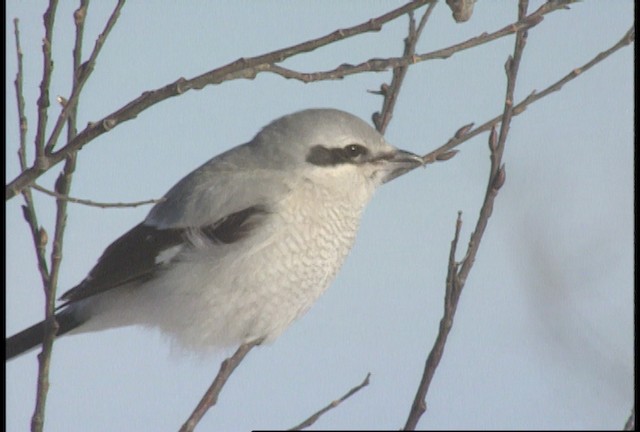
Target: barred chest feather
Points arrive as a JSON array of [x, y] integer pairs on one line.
[[257, 287]]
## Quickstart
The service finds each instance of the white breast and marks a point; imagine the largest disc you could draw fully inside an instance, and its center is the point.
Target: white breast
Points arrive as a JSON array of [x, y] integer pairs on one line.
[[254, 288]]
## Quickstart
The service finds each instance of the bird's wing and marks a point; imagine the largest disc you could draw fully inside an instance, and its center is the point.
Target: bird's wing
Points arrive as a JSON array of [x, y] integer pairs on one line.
[[221, 201]]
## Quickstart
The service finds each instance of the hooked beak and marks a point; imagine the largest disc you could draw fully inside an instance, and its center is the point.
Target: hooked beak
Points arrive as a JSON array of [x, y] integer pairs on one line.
[[401, 162]]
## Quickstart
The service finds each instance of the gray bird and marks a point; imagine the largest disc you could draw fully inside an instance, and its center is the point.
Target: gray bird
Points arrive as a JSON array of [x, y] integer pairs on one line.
[[245, 244]]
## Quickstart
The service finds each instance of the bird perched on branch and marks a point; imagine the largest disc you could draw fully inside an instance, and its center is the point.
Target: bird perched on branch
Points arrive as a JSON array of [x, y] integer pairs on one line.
[[245, 244]]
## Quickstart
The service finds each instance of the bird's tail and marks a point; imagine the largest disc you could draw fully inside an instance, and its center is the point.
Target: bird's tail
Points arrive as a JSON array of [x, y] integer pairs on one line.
[[33, 336]]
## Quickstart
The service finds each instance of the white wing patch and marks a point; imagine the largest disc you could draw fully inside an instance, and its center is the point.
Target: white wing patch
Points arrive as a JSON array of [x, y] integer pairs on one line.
[[167, 255]]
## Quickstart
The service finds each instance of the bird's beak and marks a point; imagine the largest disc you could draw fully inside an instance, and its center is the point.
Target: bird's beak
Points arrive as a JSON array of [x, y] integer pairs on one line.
[[401, 162]]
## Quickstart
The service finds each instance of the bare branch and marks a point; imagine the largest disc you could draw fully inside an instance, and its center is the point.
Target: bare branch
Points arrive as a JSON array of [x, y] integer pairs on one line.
[[519, 108], [627, 39], [314, 417], [391, 92], [457, 273], [211, 396], [63, 185], [93, 203], [497, 169], [384, 64], [28, 208], [43, 101], [51, 327], [22, 127], [79, 16], [38, 234], [242, 68], [81, 72], [41, 164], [380, 65], [419, 402], [249, 68]]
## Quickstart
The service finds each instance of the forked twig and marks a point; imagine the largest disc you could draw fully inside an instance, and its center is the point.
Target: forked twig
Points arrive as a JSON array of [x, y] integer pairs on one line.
[[314, 417], [92, 203], [457, 273], [249, 68]]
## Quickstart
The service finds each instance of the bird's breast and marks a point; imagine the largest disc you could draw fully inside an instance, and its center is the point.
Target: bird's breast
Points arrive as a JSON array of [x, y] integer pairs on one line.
[[256, 287]]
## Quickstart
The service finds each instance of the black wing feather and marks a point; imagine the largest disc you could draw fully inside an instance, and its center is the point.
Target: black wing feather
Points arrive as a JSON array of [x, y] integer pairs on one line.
[[133, 256]]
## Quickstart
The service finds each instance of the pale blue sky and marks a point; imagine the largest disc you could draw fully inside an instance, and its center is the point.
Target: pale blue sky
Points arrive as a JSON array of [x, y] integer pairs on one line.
[[544, 332]]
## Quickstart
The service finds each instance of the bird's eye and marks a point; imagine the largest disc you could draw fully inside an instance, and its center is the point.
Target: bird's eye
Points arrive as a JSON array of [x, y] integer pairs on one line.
[[354, 150]]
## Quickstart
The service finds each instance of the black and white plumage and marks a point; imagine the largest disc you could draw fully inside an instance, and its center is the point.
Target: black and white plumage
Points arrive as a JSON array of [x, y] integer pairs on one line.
[[243, 245]]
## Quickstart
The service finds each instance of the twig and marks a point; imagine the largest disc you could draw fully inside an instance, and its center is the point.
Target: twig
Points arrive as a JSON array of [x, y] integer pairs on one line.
[[22, 127], [79, 16], [51, 327], [314, 417], [81, 75], [457, 273], [63, 185], [242, 68], [28, 209], [392, 91], [250, 67], [39, 234], [450, 302], [519, 108], [497, 173], [211, 396], [383, 64], [93, 203], [41, 162]]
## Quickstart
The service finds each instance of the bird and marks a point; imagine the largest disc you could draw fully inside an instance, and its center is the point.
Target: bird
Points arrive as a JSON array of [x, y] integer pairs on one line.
[[242, 246]]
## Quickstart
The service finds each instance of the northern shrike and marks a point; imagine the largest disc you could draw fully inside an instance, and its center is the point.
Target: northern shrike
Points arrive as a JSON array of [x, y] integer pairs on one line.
[[245, 244]]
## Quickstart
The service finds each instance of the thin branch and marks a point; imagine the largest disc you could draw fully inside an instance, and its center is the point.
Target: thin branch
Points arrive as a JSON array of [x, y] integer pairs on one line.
[[457, 273], [392, 91], [383, 64], [51, 326], [497, 173], [41, 162], [63, 185], [468, 133], [38, 234], [419, 402], [22, 118], [90, 202], [627, 39], [211, 396], [241, 68], [28, 209], [380, 65], [249, 68], [81, 76], [79, 17], [314, 417]]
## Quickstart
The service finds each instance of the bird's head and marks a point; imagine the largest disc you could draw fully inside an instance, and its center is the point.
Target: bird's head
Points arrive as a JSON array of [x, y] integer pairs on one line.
[[333, 145]]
